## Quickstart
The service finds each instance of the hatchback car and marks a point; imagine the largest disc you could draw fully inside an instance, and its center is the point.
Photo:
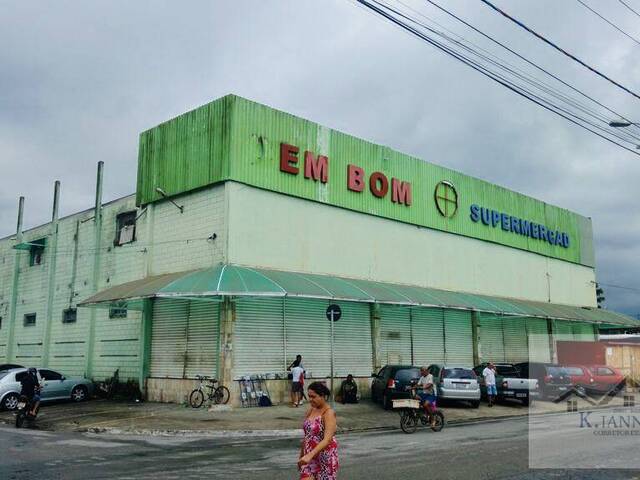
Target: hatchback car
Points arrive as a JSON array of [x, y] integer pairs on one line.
[[597, 379], [553, 380], [55, 386], [456, 382], [391, 383]]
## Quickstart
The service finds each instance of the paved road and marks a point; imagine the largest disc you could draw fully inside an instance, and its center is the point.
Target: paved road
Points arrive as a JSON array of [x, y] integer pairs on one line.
[[455, 453]]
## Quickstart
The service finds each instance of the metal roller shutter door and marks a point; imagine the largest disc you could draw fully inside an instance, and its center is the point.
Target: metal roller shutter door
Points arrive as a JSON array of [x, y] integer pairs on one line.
[[458, 339], [168, 338], [491, 339], [427, 334], [352, 340], [307, 334], [203, 330], [516, 345], [258, 346], [538, 340], [563, 330], [583, 332], [395, 335]]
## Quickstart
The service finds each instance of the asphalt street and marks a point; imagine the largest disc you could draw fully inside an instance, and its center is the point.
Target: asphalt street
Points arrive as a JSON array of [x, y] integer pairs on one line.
[[495, 450]]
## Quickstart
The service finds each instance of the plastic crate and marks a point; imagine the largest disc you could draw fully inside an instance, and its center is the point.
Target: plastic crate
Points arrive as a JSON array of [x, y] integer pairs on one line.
[[406, 403]]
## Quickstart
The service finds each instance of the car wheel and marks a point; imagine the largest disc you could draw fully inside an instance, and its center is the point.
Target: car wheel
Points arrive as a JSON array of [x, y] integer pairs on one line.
[[10, 402], [79, 393], [475, 403]]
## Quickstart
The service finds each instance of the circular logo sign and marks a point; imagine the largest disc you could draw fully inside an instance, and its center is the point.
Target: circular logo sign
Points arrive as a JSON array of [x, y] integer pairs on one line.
[[446, 198]]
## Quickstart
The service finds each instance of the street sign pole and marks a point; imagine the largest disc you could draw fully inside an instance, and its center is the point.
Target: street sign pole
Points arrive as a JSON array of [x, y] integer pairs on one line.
[[331, 383]]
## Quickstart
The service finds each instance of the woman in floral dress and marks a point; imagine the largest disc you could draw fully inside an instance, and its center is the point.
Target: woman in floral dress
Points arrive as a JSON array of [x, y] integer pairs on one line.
[[319, 449]]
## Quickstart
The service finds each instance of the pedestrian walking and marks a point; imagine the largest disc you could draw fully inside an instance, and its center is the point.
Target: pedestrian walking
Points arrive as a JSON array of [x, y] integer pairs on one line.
[[489, 374], [319, 450]]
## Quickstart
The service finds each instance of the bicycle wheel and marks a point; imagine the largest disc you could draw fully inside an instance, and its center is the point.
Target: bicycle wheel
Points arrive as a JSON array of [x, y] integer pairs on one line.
[[438, 421], [221, 395], [196, 399], [408, 422]]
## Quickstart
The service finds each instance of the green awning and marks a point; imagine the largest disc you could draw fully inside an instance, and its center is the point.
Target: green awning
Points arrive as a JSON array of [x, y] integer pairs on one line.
[[238, 281], [40, 243]]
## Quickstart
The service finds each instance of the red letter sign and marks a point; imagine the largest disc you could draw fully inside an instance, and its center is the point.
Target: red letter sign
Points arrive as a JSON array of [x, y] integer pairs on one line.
[[288, 155], [378, 190], [318, 169], [355, 177], [401, 192]]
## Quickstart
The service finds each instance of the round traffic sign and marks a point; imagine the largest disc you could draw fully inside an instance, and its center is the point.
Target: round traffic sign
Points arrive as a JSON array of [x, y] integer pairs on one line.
[[334, 312]]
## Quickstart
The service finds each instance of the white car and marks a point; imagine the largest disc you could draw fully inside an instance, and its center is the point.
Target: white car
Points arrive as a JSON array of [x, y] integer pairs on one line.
[[54, 386], [456, 382]]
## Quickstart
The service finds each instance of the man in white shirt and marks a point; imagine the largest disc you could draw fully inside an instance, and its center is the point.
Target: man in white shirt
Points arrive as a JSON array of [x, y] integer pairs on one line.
[[297, 375], [489, 374], [426, 391]]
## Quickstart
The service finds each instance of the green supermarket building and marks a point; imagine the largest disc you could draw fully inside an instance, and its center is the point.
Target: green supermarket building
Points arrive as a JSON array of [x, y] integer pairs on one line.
[[248, 222]]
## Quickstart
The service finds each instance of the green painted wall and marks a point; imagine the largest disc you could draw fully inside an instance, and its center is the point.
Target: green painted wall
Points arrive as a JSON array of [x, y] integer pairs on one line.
[[236, 139]]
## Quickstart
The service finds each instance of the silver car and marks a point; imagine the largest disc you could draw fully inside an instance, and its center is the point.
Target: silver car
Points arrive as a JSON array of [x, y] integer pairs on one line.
[[456, 382], [54, 386]]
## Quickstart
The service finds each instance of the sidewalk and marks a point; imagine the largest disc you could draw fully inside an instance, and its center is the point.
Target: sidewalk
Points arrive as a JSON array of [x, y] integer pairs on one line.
[[170, 419]]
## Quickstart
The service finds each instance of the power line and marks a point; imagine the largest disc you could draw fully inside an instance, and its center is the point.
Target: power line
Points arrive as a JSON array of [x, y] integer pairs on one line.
[[493, 75], [564, 52], [609, 22], [623, 3], [609, 285], [533, 64], [524, 77]]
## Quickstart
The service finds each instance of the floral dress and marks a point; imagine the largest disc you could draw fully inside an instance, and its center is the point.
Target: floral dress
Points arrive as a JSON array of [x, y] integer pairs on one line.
[[325, 465]]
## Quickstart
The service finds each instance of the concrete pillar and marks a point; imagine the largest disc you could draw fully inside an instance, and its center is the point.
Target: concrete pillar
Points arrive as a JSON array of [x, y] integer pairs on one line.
[[553, 354], [225, 350], [145, 344], [11, 327], [91, 336], [52, 257], [476, 336], [375, 336]]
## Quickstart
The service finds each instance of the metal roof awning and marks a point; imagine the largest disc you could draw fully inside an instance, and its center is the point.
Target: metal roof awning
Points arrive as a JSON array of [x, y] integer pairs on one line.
[[226, 280]]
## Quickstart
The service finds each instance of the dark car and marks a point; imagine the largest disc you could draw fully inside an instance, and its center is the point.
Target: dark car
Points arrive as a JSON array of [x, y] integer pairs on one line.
[[554, 381], [9, 366], [391, 382]]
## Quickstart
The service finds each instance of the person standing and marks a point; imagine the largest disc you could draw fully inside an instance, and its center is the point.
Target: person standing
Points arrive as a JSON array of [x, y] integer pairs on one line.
[[297, 382], [294, 394], [489, 374], [319, 449]]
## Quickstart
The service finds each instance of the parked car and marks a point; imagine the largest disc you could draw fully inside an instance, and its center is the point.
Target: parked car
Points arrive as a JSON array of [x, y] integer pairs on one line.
[[509, 384], [456, 382], [553, 380], [391, 383], [55, 386], [598, 379], [9, 366]]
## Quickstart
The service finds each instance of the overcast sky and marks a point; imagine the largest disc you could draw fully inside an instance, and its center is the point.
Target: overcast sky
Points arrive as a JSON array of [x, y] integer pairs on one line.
[[80, 80]]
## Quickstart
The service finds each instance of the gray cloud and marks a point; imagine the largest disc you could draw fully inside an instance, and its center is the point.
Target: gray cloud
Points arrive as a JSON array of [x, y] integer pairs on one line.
[[81, 80]]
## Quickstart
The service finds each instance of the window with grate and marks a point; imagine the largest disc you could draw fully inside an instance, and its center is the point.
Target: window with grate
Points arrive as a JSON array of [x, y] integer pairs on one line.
[[117, 312], [70, 315], [125, 228], [29, 319]]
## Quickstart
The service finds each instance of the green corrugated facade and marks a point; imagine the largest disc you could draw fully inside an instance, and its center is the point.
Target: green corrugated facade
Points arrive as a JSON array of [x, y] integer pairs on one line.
[[235, 139]]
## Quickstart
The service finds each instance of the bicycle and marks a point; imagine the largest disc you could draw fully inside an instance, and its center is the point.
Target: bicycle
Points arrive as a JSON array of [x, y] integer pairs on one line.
[[412, 412], [219, 395]]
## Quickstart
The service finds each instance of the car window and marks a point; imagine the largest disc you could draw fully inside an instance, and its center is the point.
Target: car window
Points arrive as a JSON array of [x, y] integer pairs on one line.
[[382, 371], [407, 374], [3, 374], [574, 370], [461, 373], [50, 375], [506, 371], [20, 376], [434, 370], [605, 371], [558, 371]]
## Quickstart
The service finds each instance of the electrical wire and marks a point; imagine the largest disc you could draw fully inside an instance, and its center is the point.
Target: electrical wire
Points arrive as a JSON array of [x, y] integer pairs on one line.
[[561, 50], [533, 64], [536, 83], [492, 75], [623, 3], [607, 21]]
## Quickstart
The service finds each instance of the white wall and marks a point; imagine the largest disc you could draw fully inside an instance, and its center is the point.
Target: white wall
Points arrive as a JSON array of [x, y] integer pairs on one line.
[[267, 229]]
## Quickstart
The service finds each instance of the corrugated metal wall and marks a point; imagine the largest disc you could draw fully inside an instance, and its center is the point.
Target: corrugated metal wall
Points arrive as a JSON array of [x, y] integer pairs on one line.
[[427, 333]]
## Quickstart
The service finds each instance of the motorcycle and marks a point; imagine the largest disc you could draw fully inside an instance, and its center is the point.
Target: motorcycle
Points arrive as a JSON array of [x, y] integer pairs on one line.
[[24, 413]]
